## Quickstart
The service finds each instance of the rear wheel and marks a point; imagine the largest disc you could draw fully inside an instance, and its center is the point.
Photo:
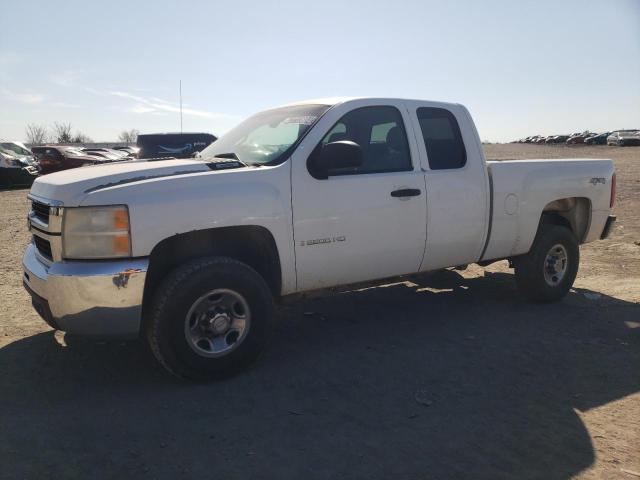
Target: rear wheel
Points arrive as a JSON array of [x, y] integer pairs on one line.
[[548, 271], [210, 318]]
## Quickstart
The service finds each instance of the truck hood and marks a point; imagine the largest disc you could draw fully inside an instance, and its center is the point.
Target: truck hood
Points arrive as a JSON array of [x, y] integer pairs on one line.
[[71, 186]]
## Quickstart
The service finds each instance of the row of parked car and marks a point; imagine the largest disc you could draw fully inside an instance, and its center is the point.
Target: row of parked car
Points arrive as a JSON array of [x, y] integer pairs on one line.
[[53, 158], [20, 165], [620, 138]]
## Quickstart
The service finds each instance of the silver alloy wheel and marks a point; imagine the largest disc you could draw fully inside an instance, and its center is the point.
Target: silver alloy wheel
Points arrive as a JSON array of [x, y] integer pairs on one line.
[[555, 265], [217, 322]]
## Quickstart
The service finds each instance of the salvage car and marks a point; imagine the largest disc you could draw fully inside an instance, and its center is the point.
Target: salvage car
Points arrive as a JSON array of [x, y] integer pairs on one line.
[[17, 166], [190, 254], [108, 153], [597, 139], [624, 138], [53, 158], [17, 149], [131, 150], [578, 138]]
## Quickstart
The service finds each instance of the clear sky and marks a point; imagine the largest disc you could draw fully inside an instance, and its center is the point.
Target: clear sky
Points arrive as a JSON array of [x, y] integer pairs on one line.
[[521, 67]]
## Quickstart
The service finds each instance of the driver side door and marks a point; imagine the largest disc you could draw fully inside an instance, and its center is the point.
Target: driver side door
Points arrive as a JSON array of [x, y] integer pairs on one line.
[[359, 223]]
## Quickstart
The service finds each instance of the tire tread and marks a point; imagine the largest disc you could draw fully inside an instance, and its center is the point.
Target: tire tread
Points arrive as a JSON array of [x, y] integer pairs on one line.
[[163, 296], [528, 267]]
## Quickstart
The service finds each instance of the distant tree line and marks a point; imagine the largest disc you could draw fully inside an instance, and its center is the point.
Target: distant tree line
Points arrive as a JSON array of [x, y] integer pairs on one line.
[[63, 133], [128, 136]]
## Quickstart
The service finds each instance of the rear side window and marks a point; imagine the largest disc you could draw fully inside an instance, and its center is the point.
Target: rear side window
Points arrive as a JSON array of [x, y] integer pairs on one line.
[[442, 138]]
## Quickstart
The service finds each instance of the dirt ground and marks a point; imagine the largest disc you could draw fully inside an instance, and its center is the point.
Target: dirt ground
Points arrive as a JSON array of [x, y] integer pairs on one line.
[[452, 376]]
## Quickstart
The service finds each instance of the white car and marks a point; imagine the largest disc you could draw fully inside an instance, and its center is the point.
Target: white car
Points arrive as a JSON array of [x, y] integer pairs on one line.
[[191, 253], [624, 138]]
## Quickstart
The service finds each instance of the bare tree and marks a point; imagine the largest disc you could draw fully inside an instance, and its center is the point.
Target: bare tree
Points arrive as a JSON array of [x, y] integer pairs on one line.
[[62, 132], [128, 136], [36, 134], [80, 137]]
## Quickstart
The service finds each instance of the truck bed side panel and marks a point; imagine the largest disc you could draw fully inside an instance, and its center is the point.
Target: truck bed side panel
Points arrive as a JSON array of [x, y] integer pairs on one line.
[[522, 189]]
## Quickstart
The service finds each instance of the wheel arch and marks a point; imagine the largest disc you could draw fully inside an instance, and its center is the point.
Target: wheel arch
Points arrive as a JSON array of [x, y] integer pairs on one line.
[[571, 212], [250, 244]]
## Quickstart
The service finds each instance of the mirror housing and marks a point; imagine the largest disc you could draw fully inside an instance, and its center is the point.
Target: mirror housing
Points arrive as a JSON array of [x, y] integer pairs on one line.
[[334, 155]]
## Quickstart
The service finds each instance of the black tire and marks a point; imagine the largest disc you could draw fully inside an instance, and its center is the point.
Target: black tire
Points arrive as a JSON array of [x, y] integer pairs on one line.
[[183, 287], [531, 269]]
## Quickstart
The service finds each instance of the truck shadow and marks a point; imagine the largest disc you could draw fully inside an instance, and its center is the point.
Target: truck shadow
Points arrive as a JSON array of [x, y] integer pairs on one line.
[[443, 377]]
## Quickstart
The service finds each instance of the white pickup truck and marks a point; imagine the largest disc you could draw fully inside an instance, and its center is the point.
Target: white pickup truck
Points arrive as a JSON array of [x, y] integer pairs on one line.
[[190, 254]]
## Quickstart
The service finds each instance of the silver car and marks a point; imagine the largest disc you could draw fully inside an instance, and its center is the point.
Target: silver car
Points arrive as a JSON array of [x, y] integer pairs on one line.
[[624, 138]]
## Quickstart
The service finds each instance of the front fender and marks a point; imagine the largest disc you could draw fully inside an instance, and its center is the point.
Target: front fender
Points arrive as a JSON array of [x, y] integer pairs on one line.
[[163, 207]]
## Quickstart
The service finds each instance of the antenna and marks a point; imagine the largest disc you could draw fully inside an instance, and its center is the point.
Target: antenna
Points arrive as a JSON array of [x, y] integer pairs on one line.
[[181, 106]]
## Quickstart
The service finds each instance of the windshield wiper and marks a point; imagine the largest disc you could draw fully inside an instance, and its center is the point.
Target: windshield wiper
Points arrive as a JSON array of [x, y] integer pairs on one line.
[[233, 156]]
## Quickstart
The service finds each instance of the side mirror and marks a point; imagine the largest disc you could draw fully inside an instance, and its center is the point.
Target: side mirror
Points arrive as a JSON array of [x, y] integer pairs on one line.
[[335, 155]]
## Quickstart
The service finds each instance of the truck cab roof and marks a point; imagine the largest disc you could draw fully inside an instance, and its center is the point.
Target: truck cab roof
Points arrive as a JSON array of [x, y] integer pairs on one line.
[[332, 101]]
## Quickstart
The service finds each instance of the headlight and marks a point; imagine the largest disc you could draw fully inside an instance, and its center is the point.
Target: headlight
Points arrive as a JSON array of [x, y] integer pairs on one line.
[[96, 232]]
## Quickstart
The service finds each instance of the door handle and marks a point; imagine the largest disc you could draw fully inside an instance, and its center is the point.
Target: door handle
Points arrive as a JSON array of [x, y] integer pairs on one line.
[[406, 192]]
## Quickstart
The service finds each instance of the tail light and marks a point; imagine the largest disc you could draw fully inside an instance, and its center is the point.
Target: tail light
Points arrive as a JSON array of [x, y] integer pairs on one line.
[[612, 201]]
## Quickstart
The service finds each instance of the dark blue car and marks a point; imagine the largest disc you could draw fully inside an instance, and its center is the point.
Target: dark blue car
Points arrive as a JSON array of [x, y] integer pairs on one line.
[[600, 139]]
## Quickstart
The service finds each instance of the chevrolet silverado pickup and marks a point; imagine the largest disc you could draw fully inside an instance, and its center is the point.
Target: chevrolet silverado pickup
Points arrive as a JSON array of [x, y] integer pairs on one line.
[[190, 254]]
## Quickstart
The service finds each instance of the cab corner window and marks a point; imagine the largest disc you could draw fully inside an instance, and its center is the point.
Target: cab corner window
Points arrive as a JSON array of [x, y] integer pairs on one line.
[[380, 133], [442, 138]]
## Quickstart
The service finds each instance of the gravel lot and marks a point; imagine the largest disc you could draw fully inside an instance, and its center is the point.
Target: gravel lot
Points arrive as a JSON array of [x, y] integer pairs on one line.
[[453, 376]]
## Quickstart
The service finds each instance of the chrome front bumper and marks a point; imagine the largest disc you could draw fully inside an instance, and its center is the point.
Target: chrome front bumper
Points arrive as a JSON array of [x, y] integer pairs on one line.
[[100, 298]]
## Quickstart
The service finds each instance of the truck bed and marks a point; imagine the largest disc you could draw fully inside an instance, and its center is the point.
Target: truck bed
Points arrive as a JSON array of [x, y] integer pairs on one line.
[[522, 189]]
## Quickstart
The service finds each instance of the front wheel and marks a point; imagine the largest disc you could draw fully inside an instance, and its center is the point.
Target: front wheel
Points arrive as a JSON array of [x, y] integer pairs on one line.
[[209, 319], [548, 271]]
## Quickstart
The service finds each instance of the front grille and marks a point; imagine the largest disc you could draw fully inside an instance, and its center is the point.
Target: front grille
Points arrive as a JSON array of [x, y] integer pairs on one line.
[[43, 246], [41, 211]]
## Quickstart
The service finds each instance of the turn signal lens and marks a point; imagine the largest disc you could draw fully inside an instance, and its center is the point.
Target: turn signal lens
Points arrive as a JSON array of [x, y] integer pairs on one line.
[[121, 219], [121, 245]]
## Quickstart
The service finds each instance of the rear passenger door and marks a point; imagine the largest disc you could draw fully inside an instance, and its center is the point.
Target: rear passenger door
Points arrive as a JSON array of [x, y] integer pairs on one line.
[[456, 183], [360, 223]]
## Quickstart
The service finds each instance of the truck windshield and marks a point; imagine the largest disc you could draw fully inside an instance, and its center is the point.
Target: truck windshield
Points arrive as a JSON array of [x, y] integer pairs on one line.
[[267, 137]]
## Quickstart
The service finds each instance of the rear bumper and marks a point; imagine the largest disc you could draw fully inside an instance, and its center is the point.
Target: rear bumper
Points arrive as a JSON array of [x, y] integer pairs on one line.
[[606, 231], [87, 298]]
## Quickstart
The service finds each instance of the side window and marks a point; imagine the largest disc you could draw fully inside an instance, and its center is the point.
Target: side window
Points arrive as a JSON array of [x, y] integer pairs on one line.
[[442, 138], [380, 133], [338, 132]]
